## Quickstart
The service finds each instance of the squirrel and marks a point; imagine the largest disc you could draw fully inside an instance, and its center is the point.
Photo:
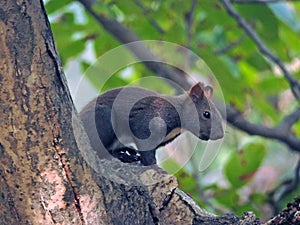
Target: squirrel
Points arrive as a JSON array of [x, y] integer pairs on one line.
[[148, 119]]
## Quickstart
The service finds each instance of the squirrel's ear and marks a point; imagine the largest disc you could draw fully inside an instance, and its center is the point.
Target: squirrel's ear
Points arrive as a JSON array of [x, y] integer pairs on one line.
[[208, 92], [196, 92]]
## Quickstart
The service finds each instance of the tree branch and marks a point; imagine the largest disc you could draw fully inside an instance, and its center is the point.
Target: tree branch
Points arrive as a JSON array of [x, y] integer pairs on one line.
[[230, 46], [293, 185], [281, 132], [284, 188], [189, 19], [234, 117], [294, 84], [289, 121]]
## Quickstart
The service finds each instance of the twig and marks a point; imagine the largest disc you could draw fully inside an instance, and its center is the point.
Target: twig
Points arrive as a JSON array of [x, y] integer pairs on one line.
[[293, 185], [294, 84], [289, 121], [189, 18], [285, 188], [230, 46]]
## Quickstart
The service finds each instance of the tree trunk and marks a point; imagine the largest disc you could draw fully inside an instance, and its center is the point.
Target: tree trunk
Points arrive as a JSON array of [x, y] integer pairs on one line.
[[43, 178], [48, 172]]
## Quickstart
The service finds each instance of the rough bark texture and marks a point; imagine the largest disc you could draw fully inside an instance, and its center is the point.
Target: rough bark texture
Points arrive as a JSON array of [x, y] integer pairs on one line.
[[47, 176], [39, 179]]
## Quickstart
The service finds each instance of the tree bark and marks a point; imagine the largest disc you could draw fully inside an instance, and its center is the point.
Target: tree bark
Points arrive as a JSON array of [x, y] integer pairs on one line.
[[40, 180], [48, 172]]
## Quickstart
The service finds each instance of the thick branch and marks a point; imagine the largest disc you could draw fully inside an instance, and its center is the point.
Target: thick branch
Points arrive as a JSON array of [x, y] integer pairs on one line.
[[135, 194], [295, 85], [281, 132]]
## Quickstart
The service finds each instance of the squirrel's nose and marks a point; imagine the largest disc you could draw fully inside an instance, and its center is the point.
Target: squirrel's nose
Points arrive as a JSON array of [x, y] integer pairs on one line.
[[204, 137]]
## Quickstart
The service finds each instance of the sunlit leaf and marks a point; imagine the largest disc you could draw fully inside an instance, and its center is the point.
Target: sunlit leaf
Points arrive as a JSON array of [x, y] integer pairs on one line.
[[242, 165], [286, 13], [72, 49], [54, 5]]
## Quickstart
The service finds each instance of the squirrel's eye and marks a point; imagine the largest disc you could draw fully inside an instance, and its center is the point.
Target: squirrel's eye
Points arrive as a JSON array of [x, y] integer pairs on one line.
[[206, 114]]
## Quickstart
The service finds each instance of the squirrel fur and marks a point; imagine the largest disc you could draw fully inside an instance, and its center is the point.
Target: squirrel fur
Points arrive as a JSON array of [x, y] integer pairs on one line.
[[148, 119]]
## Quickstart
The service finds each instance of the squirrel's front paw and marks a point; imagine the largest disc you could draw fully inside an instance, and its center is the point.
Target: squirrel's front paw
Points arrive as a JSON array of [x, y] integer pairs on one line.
[[127, 155]]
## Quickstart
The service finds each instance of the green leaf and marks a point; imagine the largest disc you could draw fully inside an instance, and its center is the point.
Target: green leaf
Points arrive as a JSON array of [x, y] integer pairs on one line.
[[72, 49], [227, 197], [272, 85], [225, 76], [297, 128], [258, 61], [242, 165], [112, 82], [187, 182], [103, 43], [286, 13], [265, 22], [264, 107], [84, 65], [170, 166], [54, 5], [292, 41]]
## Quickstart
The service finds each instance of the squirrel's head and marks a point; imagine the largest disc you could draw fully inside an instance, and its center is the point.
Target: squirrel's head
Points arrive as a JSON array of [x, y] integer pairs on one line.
[[209, 119]]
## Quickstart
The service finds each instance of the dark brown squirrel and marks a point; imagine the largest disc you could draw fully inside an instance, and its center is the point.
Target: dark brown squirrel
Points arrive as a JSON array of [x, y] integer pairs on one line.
[[126, 115]]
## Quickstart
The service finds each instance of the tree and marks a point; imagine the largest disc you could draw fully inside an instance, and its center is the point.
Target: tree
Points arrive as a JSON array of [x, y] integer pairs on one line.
[[38, 150], [49, 174]]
